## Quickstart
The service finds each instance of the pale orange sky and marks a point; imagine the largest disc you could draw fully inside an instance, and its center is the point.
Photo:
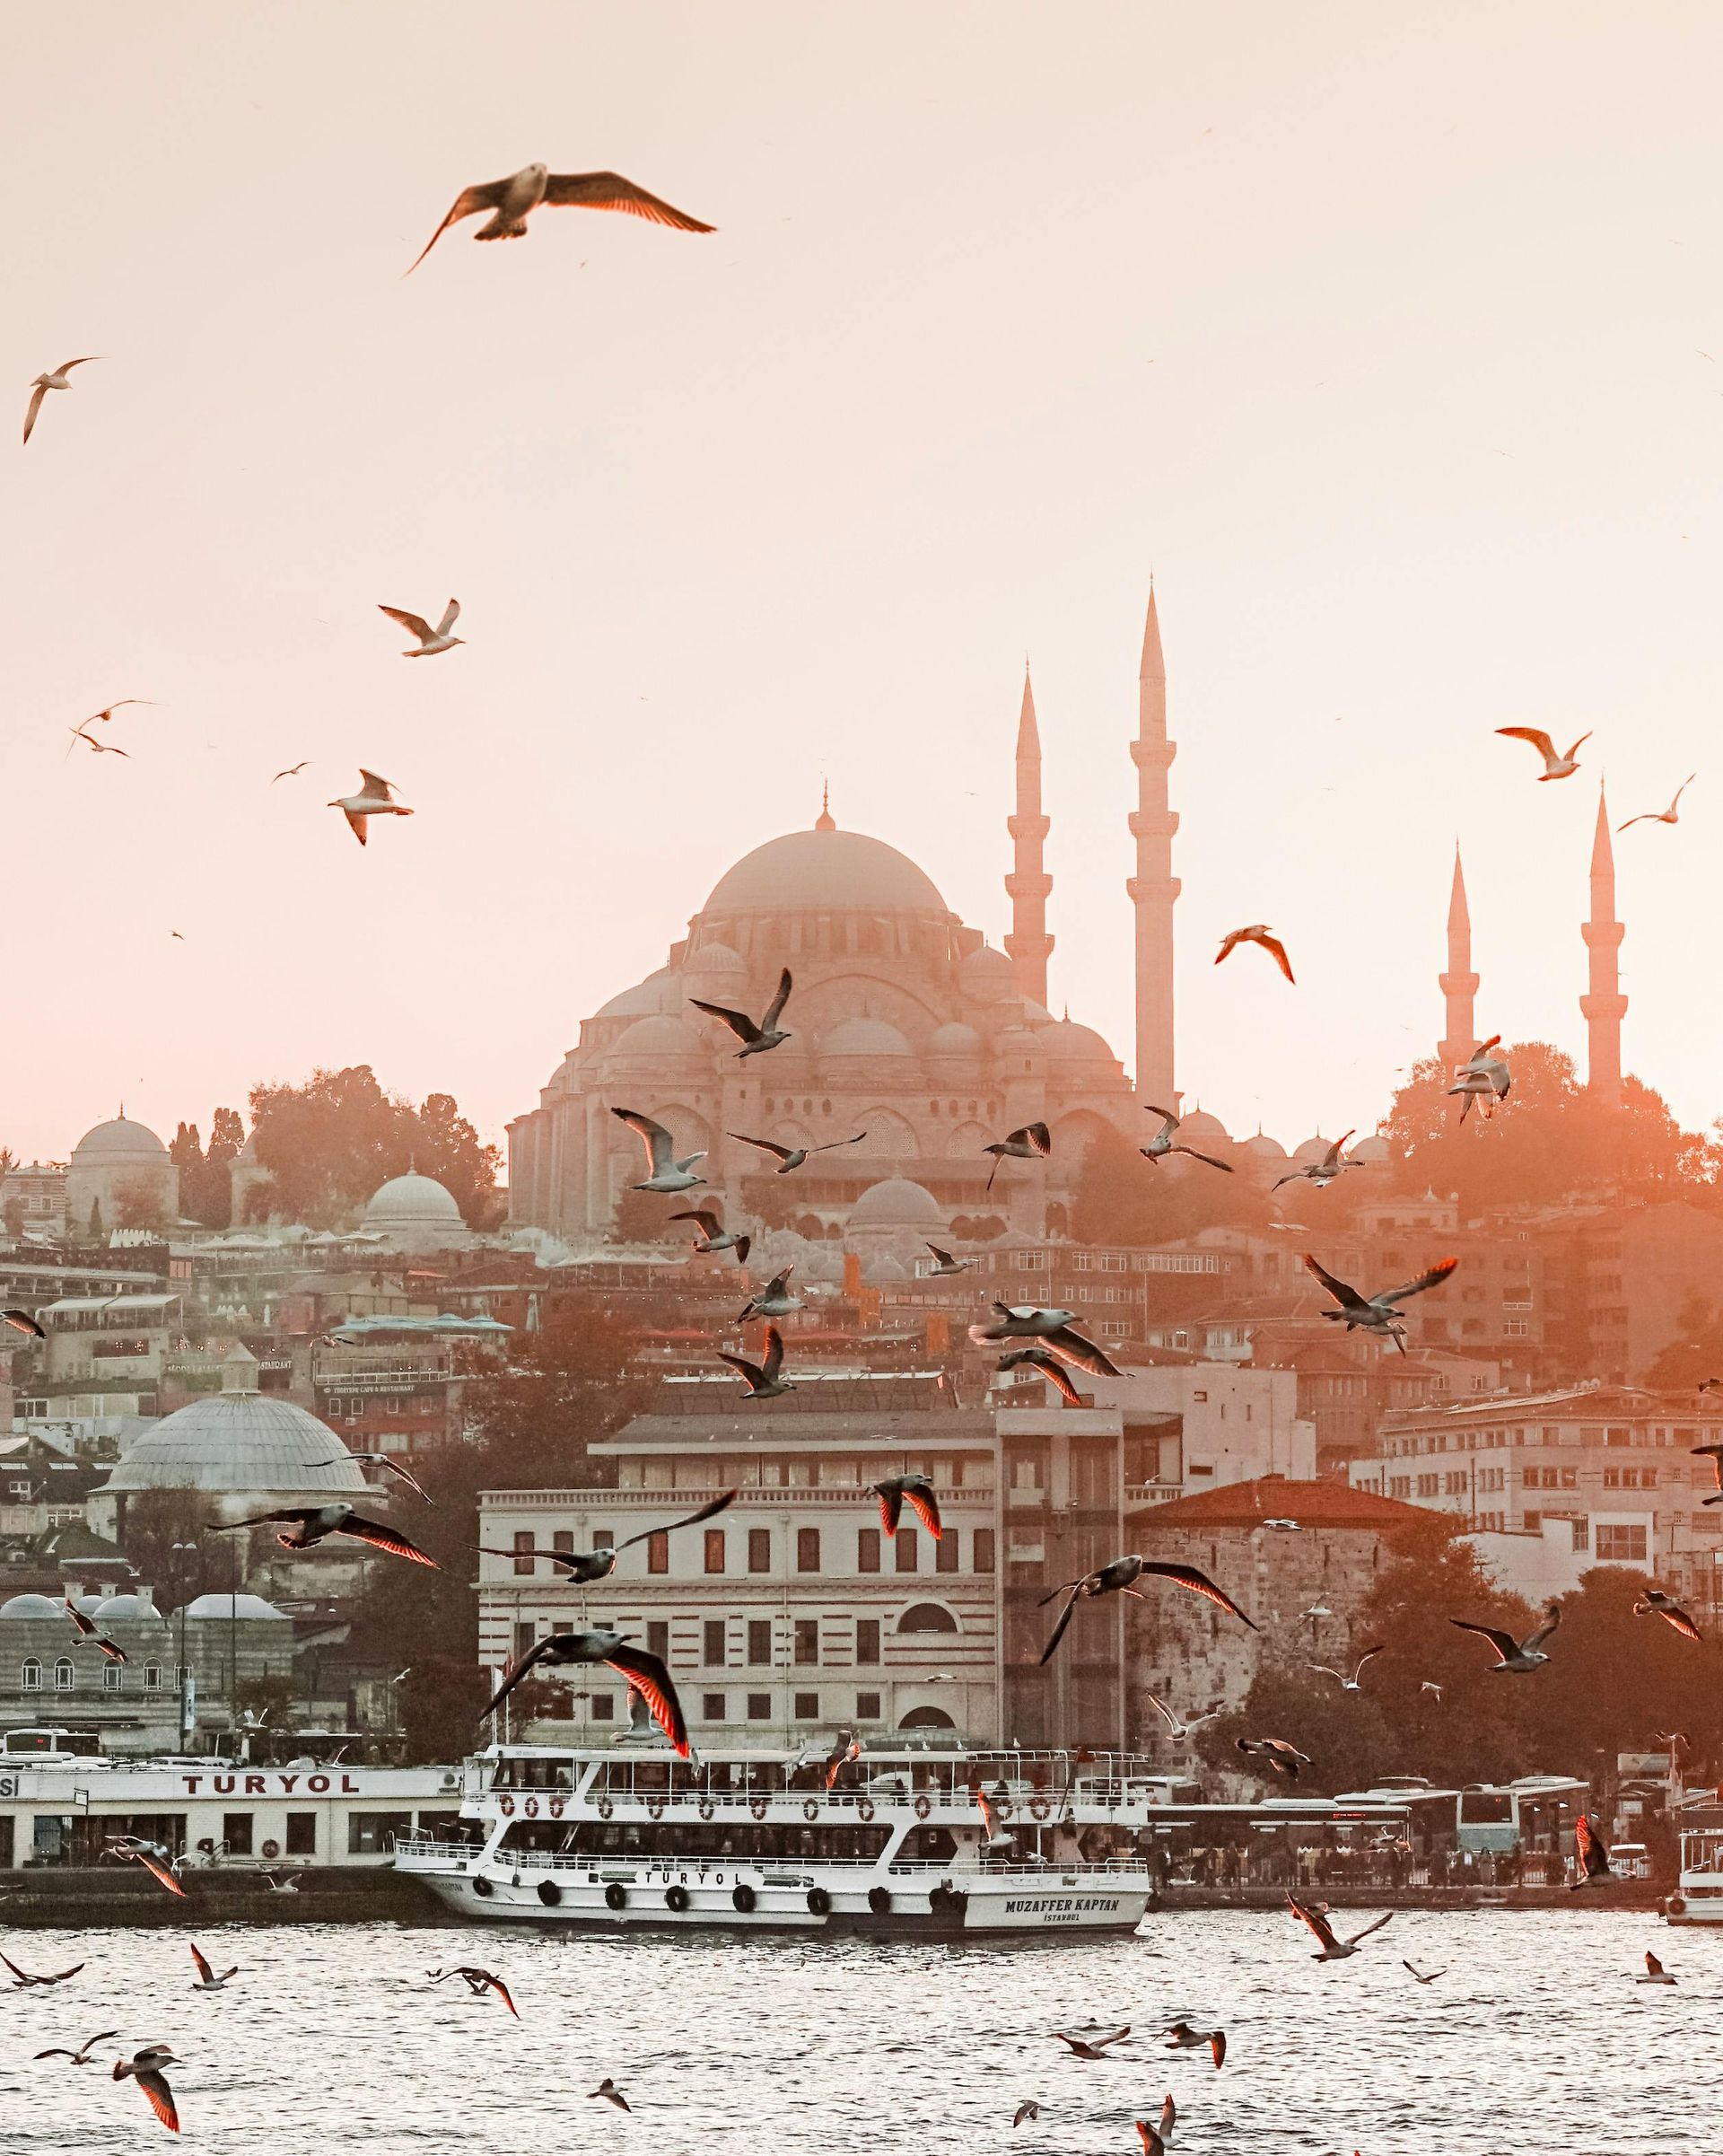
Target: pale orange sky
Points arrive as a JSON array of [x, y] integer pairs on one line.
[[1379, 333]]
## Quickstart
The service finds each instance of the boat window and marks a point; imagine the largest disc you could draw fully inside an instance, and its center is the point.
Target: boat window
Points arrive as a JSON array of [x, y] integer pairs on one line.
[[709, 1841], [236, 1832], [927, 1845], [375, 1833]]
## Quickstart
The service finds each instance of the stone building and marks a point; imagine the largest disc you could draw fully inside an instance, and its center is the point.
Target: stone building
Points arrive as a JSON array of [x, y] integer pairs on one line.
[[119, 1176]]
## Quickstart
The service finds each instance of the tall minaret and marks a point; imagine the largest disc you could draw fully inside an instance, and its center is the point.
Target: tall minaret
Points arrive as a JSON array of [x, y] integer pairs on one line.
[[1028, 885], [1154, 887], [1459, 984], [1606, 1006]]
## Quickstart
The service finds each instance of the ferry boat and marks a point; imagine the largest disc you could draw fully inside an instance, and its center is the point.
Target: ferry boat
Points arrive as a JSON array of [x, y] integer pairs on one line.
[[1698, 1898], [913, 1841]]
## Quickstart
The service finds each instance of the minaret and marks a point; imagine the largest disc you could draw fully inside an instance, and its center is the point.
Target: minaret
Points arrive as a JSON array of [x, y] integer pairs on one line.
[[1605, 1006], [1028, 885], [1154, 887], [1459, 984]]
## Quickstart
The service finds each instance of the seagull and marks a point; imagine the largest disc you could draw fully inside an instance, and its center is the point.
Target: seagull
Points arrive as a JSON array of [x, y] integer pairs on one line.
[[713, 1237], [1155, 2137], [1654, 1602], [764, 1384], [643, 1670], [478, 1981], [20, 1322], [1377, 1313], [1283, 1759], [1152, 2144], [1091, 2047], [375, 797], [1120, 1577], [847, 1748], [145, 2068], [292, 770], [583, 1567], [1025, 2111], [773, 1300], [1055, 1330], [1323, 1171], [207, 1980], [1347, 1684], [1655, 1972], [513, 200], [119, 704], [946, 1266], [1176, 1729], [1257, 933], [382, 1459], [55, 379], [1420, 1975], [1482, 1077], [668, 1174], [1186, 2038], [1285, 1527], [1555, 764], [1666, 815], [1026, 1142], [1429, 1684], [789, 1157], [290, 1885], [1162, 1142], [22, 1981], [90, 742], [755, 1039], [1714, 1454], [84, 2055], [1517, 1657], [1049, 1366], [111, 1650], [157, 1870], [1592, 1852], [916, 1491], [313, 1523], [611, 2094], [431, 640], [1333, 1949]]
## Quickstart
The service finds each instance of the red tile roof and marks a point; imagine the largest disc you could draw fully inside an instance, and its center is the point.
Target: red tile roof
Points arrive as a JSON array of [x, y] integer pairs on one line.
[[1320, 1504]]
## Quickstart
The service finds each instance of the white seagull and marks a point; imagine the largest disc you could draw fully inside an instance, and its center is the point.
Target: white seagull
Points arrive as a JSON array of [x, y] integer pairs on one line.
[[1048, 1365], [1348, 1684], [1186, 2038], [1027, 1143], [513, 200], [1419, 1974], [1257, 933], [207, 1980], [713, 1237], [668, 1174], [55, 379], [1556, 764], [431, 640], [1055, 1330], [1282, 1757], [1163, 1141], [1482, 1077], [1377, 1313], [764, 1382], [1323, 1171], [1518, 1658], [755, 1039], [1666, 815], [375, 797], [946, 1266], [1177, 1730], [1333, 1949], [774, 1300], [1655, 1972], [790, 1157]]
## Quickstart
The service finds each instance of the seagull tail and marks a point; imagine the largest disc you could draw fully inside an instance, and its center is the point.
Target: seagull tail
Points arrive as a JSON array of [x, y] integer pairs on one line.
[[503, 228]]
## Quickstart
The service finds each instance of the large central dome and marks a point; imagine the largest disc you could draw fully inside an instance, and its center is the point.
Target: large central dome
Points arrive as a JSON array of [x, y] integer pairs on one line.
[[835, 872]]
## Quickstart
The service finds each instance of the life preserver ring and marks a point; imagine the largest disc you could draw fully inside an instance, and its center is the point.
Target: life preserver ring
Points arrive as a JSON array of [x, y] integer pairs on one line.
[[557, 1804], [677, 1899], [1003, 1807], [820, 1902], [924, 1806], [706, 1807], [864, 1808], [615, 1895], [757, 1806], [272, 1850], [505, 1805], [810, 1809], [549, 1893], [879, 1900], [1675, 1905], [1040, 1808], [605, 1808], [743, 1897], [654, 1808], [483, 1888], [531, 1807]]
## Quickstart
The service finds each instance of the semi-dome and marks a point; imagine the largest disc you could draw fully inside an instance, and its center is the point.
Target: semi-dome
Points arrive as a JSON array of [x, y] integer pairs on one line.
[[658, 991], [954, 1040], [119, 1140], [897, 1203], [234, 1606], [238, 1441], [24, 1606], [659, 1037], [987, 975], [831, 871], [414, 1199], [713, 958], [1068, 1042], [864, 1037], [126, 1605]]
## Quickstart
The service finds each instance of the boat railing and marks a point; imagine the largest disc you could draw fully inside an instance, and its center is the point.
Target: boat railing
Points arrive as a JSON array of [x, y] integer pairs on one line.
[[431, 1848], [1021, 1804]]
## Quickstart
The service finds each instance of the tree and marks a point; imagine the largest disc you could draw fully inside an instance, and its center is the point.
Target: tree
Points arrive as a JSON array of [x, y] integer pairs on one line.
[[137, 1203], [1123, 1199], [163, 1542], [1696, 1353], [1345, 1733], [448, 1148], [328, 1144]]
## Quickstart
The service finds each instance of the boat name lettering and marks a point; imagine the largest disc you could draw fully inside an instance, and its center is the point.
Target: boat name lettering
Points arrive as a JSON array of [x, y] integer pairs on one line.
[[256, 1785], [1052, 1911]]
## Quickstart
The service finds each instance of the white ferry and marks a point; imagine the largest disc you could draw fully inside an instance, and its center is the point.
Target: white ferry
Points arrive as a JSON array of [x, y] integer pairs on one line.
[[904, 1840], [1698, 1898]]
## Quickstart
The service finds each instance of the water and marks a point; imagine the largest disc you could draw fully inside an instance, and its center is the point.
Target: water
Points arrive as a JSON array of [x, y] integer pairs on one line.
[[1537, 2043]]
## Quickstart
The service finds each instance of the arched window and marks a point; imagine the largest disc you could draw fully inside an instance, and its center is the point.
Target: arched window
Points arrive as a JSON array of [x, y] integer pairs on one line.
[[63, 1675], [927, 1718], [152, 1677], [927, 1617], [110, 1677], [32, 1675]]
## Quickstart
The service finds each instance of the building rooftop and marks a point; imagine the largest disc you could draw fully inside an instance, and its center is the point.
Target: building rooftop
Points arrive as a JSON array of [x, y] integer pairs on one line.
[[1318, 1503]]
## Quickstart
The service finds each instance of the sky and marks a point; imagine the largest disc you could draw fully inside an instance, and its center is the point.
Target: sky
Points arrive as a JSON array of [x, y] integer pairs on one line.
[[1388, 340]]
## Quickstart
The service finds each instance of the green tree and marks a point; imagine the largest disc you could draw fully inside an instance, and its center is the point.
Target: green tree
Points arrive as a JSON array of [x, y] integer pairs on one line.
[[1121, 1198], [327, 1143], [1346, 1734]]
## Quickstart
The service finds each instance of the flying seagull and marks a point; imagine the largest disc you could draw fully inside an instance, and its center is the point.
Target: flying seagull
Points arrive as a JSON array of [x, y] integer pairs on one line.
[[1556, 764], [916, 1491], [22, 1981], [119, 704], [1655, 1972], [1714, 1454], [1333, 1949], [513, 200], [1186, 2038], [1152, 2144], [375, 797], [790, 1157], [431, 640], [84, 2055], [1121, 1577], [87, 1630], [310, 1524], [20, 1322], [1377, 1313], [1049, 1366], [583, 1567], [1283, 1759], [1029, 1141], [292, 770], [643, 1670], [55, 379], [1055, 1330], [207, 1980], [1419, 1974], [386, 1460], [1091, 2047], [1323, 1171], [774, 1300], [611, 2094], [847, 1748], [1155, 2137], [1518, 1658], [1029, 2109], [145, 2067], [1482, 1077], [755, 1039], [100, 748], [713, 1237], [157, 1870], [1163, 1142], [945, 1266], [1666, 815], [668, 1174], [1257, 933], [478, 1981], [1347, 1684], [1592, 1854], [764, 1382], [1654, 1602], [1178, 1729]]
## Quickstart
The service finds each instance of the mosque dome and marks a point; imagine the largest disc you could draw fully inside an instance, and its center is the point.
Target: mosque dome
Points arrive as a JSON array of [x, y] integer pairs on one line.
[[1313, 1149], [955, 1040], [1371, 1150], [830, 871], [712, 958], [896, 1203], [234, 1606], [987, 975], [656, 1037], [126, 1605], [27, 1606], [1268, 1151], [885, 1267], [658, 992], [414, 1200], [1068, 1042], [238, 1441], [864, 1037], [118, 1144], [1201, 1127]]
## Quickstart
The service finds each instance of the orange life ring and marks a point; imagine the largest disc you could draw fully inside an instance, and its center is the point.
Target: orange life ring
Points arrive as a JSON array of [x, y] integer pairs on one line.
[[1039, 1808], [1003, 1807], [556, 1807], [1675, 1905], [531, 1807], [505, 1805]]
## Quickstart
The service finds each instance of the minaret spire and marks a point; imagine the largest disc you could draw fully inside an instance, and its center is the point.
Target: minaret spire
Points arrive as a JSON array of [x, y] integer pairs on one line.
[[1154, 887], [1604, 1006], [1028, 885], [1459, 984]]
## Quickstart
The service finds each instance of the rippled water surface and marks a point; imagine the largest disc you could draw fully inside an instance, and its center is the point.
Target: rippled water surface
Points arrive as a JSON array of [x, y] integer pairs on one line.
[[1536, 2043]]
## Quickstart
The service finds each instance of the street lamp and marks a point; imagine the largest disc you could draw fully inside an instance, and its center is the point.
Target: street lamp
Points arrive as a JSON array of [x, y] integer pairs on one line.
[[184, 1671]]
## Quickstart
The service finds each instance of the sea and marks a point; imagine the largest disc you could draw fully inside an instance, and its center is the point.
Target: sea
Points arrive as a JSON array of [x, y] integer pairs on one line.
[[1536, 2040]]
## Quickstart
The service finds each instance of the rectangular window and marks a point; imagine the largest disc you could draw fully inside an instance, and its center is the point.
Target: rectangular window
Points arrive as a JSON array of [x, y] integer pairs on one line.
[[807, 1648], [603, 1538], [946, 1553], [301, 1834], [658, 1638], [759, 1643], [759, 1549], [807, 1706], [983, 1549], [867, 1706], [525, 1634], [604, 1707], [658, 1553], [375, 1833], [759, 1706], [562, 1542], [714, 1642], [807, 1549], [867, 1639], [525, 1563], [236, 1832], [908, 1546], [1620, 1545], [866, 1549], [715, 1549], [712, 1707]]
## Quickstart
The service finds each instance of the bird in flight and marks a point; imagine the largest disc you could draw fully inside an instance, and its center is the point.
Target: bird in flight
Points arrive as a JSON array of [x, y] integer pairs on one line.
[[1348, 1684], [1055, 1330], [916, 1491], [478, 1981], [145, 2067], [54, 379], [774, 1300], [290, 1885], [1121, 1577], [375, 797], [1027, 1143], [513, 200], [1654, 1602], [431, 640], [1655, 1972], [1666, 815], [1049, 1366], [100, 748], [1592, 1854], [668, 1174], [1186, 2038], [1556, 763], [1027, 2109], [791, 1157], [755, 1039], [153, 1864], [643, 1670], [1164, 1141], [1422, 1975], [1323, 1171], [1482, 1077], [1155, 2137], [310, 1524], [1257, 933], [20, 1322], [292, 770], [207, 1980], [106, 712], [1091, 2047], [1518, 1658], [1176, 1729], [1333, 1949], [764, 1381], [1283, 1759], [85, 2054], [713, 1238], [585, 1566], [945, 1266], [87, 1630], [382, 1459], [1376, 1313], [22, 1981], [1714, 1454], [611, 2094]]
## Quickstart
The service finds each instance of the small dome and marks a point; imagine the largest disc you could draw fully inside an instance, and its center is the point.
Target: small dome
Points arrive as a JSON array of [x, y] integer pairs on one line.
[[234, 1606], [954, 1040], [885, 1267], [659, 1037], [896, 1203], [1268, 1151], [864, 1037], [1017, 1040], [1313, 1149], [658, 992], [109, 1144], [126, 1605], [1373, 1149], [412, 1198], [1068, 1042], [987, 975], [238, 1441], [1199, 1126], [30, 1606], [840, 872], [712, 958]]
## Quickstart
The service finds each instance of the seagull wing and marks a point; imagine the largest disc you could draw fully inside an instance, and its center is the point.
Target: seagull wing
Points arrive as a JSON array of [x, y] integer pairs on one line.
[[944, 1257], [1432, 1279], [774, 1362], [1320, 1927], [652, 1680], [774, 1009], [1369, 1928], [750, 1371], [1052, 1369], [1551, 1619], [535, 1654], [1276, 949], [1165, 1711], [1680, 789], [158, 1872], [1627, 825], [1321, 1669], [1653, 1967], [706, 1512], [1070, 1347], [450, 615], [380, 789], [836, 1143], [1679, 1621], [297, 1513], [356, 825], [416, 625], [739, 1023], [891, 1505], [36, 394], [204, 1969], [407, 1475], [1348, 1298], [1197, 1582], [1331, 1159], [1539, 740], [469, 203], [1368, 1654], [1059, 1629], [84, 1624], [781, 1152], [660, 1153], [502, 1991], [1225, 1166], [1504, 1643], [1152, 2144], [611, 191], [707, 1222], [155, 2087], [390, 1538], [1168, 1122], [926, 1508]]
